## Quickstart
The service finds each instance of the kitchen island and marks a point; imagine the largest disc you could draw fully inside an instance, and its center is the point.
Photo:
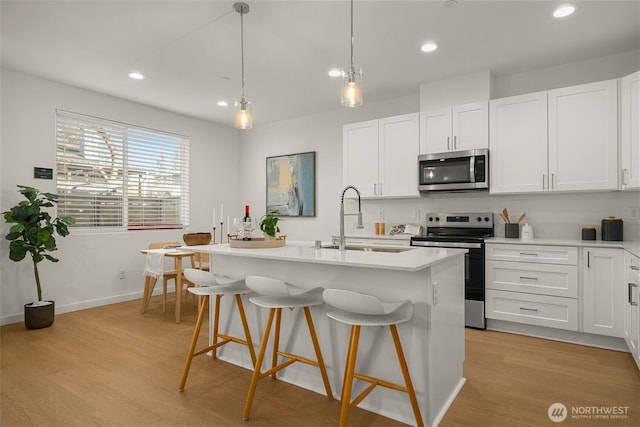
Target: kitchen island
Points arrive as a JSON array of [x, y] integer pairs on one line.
[[433, 341]]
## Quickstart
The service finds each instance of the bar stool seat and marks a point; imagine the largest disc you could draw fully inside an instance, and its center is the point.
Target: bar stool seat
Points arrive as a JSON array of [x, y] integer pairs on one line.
[[357, 310], [276, 295], [209, 285]]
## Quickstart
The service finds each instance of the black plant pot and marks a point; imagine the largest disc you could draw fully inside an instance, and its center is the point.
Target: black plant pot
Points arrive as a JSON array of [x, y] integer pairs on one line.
[[39, 316]]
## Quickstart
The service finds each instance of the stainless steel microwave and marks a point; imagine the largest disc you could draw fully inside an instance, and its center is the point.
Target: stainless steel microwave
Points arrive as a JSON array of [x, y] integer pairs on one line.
[[454, 171]]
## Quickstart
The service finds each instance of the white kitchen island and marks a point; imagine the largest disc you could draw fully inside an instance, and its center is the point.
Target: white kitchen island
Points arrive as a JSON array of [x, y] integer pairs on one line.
[[433, 341]]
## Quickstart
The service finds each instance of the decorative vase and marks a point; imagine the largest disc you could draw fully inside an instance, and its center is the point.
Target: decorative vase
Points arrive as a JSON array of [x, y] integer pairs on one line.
[[39, 316]]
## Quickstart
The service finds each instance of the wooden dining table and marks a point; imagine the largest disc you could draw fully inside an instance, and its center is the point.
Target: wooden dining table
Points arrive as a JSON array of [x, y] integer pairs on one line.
[[150, 282]]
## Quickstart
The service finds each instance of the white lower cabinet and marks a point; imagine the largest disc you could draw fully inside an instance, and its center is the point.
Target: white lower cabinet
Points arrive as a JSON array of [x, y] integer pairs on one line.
[[603, 291], [540, 310], [632, 306], [536, 285]]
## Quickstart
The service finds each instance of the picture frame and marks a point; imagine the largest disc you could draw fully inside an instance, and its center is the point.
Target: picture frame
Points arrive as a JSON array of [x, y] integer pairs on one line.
[[291, 184]]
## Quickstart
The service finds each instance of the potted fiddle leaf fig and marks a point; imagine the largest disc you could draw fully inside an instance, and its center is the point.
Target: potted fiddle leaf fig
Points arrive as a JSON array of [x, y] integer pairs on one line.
[[33, 233], [269, 224]]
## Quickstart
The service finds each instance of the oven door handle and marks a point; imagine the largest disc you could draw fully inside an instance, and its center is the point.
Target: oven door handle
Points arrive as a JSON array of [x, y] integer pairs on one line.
[[447, 244]]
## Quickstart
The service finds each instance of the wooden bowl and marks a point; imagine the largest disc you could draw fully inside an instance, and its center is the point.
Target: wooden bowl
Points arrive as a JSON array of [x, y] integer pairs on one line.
[[195, 239]]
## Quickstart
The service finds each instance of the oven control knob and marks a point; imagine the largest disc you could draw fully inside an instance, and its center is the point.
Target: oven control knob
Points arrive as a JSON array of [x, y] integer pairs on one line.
[[437, 219], [479, 219], [430, 219], [486, 219]]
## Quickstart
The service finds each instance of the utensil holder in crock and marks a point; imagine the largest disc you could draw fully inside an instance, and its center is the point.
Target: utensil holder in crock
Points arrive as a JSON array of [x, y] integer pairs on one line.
[[512, 231]]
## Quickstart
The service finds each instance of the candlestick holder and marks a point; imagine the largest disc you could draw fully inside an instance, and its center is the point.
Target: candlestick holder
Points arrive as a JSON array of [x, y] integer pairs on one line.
[[213, 237], [221, 238]]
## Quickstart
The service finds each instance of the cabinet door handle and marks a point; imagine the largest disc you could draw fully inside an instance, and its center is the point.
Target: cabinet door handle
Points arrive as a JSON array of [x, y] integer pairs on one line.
[[455, 142], [375, 189], [544, 175], [380, 188], [448, 140], [528, 254], [553, 181], [634, 267], [588, 259], [625, 178], [528, 309], [528, 278], [630, 298]]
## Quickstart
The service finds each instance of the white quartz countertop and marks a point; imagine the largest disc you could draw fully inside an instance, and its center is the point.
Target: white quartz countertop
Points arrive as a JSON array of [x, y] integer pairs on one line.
[[631, 246], [412, 259]]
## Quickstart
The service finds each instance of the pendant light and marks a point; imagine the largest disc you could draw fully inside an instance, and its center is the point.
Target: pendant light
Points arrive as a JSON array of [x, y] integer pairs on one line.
[[244, 119], [352, 78]]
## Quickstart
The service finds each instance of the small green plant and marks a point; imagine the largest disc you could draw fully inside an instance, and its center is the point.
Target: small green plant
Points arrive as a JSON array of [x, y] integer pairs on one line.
[[269, 223], [33, 230]]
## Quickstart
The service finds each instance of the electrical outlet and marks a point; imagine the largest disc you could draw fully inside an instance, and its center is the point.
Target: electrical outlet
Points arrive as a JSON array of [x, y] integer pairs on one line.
[[122, 274], [435, 293], [634, 212]]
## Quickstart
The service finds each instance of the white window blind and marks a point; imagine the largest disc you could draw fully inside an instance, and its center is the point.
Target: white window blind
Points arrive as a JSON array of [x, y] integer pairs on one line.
[[115, 175]]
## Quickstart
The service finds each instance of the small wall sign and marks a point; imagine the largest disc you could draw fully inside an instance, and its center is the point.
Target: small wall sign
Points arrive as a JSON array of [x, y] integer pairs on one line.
[[43, 173]]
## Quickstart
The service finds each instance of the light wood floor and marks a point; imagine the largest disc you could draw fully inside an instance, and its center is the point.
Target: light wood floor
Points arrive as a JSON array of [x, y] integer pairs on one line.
[[112, 366]]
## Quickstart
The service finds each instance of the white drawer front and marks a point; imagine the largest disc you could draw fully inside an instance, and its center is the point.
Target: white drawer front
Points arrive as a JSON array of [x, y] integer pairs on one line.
[[533, 253], [544, 279], [552, 312]]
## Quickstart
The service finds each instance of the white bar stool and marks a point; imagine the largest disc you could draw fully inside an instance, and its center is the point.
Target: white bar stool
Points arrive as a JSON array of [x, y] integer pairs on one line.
[[276, 295], [209, 285], [359, 310]]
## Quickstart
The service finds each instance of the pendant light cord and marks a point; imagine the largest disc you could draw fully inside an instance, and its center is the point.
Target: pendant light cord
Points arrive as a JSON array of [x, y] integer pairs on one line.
[[242, 50], [351, 36]]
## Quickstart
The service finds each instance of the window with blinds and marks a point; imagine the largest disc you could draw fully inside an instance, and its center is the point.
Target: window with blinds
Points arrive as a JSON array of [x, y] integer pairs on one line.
[[115, 175]]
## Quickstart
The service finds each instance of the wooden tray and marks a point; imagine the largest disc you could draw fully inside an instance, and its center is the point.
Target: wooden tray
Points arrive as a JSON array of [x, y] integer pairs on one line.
[[257, 243]]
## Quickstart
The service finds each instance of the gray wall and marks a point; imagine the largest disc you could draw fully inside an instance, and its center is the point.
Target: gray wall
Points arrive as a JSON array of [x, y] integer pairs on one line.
[[87, 274]]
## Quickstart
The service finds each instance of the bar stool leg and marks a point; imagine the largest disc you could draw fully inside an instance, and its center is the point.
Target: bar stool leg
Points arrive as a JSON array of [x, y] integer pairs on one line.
[[276, 342], [407, 378], [216, 317], [194, 341], [245, 326], [349, 373], [316, 347], [256, 371]]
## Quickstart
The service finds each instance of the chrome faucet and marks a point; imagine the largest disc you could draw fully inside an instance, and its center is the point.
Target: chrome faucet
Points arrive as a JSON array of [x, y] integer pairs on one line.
[[343, 246]]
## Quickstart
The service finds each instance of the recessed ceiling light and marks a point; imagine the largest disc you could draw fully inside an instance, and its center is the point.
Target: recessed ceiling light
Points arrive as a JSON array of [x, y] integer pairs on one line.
[[429, 47], [222, 103], [135, 75], [563, 11], [450, 3], [335, 72]]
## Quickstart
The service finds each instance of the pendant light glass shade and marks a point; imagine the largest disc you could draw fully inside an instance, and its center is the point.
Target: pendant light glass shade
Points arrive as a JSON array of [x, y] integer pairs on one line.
[[244, 117], [352, 86]]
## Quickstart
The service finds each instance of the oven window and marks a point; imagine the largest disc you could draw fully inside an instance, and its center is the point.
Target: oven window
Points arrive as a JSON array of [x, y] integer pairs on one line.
[[449, 171]]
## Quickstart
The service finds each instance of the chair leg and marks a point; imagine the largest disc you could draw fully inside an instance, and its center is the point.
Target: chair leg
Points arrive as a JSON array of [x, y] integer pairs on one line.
[[245, 326], [216, 318], [276, 342], [149, 285], [407, 378], [256, 370], [316, 347], [164, 294], [194, 341], [349, 373]]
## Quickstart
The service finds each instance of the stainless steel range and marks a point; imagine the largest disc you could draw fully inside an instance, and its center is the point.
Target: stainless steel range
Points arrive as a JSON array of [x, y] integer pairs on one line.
[[468, 231]]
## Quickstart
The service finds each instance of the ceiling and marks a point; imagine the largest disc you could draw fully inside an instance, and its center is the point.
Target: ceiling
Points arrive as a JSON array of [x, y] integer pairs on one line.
[[190, 50]]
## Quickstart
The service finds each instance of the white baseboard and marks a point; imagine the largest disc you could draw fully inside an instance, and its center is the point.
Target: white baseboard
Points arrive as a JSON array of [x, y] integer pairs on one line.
[[573, 337], [83, 305]]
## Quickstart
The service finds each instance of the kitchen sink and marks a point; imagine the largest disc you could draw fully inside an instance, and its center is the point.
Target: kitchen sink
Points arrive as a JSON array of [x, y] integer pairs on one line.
[[368, 248]]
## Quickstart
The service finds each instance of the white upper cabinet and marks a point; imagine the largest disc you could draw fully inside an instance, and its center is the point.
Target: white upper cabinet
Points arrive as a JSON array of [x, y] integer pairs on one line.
[[630, 131], [560, 140], [583, 137], [360, 156], [380, 156], [463, 127], [518, 143]]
